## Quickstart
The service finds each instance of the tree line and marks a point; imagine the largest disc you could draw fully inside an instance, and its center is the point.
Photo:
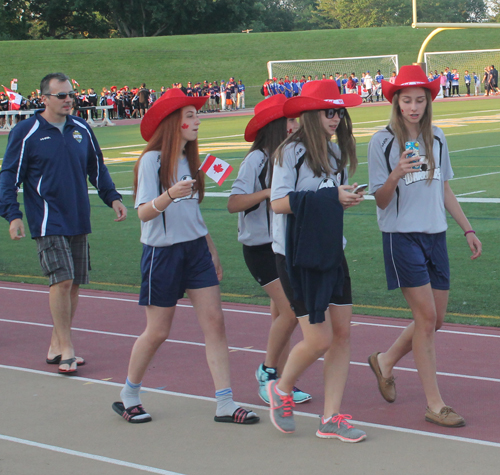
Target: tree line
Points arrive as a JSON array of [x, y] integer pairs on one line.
[[39, 19]]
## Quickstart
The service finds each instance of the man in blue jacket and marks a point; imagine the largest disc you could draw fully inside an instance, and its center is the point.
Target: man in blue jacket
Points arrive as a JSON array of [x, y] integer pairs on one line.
[[52, 154]]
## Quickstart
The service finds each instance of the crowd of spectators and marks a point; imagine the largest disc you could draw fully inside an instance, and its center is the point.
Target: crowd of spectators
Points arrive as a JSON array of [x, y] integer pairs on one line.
[[129, 103], [450, 81], [368, 87]]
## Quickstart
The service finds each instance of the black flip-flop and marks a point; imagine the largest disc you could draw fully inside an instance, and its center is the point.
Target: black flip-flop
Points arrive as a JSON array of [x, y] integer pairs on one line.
[[57, 360], [132, 414], [240, 416], [69, 362]]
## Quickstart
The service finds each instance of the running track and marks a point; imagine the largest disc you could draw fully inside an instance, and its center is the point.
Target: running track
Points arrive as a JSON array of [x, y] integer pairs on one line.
[[107, 324]]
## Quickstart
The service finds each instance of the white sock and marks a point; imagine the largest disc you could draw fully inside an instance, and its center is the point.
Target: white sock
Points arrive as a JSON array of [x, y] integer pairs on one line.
[[130, 394], [225, 404]]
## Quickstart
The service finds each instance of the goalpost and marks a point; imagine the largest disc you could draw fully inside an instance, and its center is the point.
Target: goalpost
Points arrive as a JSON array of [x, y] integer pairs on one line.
[[472, 61], [317, 67]]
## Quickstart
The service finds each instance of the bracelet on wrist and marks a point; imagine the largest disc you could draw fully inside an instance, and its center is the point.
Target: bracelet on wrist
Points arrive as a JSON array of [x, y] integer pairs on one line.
[[469, 231], [155, 208], [169, 195]]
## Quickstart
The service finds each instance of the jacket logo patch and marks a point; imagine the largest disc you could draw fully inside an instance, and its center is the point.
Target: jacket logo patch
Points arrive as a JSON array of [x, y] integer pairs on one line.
[[77, 136], [44, 138]]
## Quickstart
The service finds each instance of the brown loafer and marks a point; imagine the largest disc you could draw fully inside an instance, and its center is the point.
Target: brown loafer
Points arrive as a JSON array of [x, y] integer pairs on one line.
[[447, 417], [386, 386]]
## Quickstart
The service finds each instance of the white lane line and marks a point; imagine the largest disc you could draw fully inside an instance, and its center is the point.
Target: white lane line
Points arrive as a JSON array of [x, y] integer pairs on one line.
[[264, 408], [77, 453], [230, 310], [249, 350]]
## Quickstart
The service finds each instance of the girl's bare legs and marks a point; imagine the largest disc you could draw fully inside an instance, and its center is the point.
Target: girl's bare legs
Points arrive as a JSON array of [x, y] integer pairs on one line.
[[428, 307], [317, 340], [158, 324], [337, 358], [282, 327], [207, 305]]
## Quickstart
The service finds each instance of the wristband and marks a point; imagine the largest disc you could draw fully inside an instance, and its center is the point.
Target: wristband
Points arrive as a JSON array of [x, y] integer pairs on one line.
[[155, 208], [469, 231], [169, 195]]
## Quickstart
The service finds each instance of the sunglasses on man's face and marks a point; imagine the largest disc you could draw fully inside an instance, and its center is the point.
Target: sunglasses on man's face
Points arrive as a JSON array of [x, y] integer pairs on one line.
[[330, 113], [62, 95]]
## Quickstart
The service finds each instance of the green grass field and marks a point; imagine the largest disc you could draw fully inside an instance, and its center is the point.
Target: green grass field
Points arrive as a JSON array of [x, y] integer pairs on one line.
[[163, 60], [472, 129]]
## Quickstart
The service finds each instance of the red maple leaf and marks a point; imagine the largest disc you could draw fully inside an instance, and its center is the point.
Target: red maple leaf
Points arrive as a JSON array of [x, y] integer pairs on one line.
[[184, 126], [218, 168]]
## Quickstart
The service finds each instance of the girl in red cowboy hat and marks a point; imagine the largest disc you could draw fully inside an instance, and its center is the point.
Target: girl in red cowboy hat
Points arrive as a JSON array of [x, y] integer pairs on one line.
[[308, 162], [178, 253], [412, 192], [250, 196]]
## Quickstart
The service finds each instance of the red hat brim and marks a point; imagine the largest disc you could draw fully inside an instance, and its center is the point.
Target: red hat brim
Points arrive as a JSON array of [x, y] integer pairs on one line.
[[298, 104], [265, 112], [164, 106], [410, 76], [261, 120]]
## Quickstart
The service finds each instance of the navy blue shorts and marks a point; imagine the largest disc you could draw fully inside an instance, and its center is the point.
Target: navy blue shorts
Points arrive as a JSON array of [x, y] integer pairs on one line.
[[168, 271], [415, 259], [298, 306]]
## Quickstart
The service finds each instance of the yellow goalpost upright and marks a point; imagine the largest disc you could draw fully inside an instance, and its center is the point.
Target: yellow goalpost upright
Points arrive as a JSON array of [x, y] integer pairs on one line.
[[439, 27]]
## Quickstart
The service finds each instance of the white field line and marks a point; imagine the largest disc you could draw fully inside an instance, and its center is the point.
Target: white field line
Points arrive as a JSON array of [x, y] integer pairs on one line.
[[247, 350], [77, 453], [471, 193], [255, 406]]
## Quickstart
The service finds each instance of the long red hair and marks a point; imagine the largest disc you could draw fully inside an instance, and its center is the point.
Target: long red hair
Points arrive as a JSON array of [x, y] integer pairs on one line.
[[167, 140]]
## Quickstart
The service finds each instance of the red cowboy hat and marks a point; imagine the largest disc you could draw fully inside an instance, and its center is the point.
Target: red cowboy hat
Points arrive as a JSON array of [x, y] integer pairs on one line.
[[265, 112], [114, 88], [410, 76], [319, 95], [171, 101]]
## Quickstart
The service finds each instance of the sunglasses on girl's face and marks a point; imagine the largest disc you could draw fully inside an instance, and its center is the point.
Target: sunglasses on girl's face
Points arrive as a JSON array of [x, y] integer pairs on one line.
[[62, 95], [330, 113]]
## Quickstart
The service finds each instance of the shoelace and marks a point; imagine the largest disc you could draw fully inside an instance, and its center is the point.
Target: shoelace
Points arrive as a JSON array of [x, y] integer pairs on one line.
[[446, 410], [342, 419], [390, 381], [287, 405]]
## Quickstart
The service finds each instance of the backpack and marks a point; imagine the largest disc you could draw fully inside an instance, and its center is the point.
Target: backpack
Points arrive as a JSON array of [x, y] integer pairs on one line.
[[262, 90]]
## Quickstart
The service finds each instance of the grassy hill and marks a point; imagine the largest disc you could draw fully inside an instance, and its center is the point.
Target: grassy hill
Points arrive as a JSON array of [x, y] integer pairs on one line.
[[164, 60]]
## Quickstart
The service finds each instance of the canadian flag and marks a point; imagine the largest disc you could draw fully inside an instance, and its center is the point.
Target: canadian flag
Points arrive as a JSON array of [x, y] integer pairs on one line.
[[75, 83], [14, 99], [216, 169]]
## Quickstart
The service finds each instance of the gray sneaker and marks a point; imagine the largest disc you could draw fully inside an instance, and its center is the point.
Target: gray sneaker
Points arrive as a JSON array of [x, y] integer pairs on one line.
[[338, 428], [281, 409]]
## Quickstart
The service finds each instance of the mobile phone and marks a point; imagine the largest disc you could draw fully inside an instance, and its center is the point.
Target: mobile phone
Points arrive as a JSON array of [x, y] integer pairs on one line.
[[360, 188], [413, 146]]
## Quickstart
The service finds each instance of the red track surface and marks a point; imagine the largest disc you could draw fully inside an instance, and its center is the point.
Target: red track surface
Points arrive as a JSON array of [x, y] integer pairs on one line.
[[107, 323]]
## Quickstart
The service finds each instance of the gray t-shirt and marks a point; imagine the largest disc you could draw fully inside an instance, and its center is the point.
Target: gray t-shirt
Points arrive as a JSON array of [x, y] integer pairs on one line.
[[419, 207], [254, 224], [181, 221], [284, 178], [59, 125]]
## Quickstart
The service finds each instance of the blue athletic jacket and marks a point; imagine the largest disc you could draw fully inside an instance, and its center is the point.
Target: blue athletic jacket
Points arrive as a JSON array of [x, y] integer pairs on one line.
[[53, 168], [314, 248]]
